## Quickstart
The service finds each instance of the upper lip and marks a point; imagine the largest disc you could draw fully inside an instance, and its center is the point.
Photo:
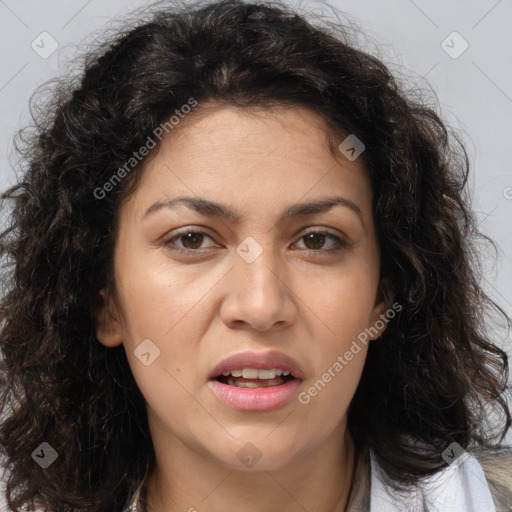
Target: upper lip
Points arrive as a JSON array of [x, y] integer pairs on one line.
[[259, 360]]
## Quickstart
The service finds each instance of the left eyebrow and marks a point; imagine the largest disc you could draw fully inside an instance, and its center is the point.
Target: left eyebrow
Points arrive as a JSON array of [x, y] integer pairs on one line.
[[210, 208]]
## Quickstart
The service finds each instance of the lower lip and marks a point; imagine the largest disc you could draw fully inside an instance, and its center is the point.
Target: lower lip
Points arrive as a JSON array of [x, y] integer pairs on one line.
[[255, 399]]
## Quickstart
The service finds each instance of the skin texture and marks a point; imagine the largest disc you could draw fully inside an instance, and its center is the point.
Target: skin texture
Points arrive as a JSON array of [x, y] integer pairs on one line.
[[201, 308]]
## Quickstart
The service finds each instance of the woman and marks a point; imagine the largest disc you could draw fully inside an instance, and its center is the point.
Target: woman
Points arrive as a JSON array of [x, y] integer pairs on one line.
[[243, 277]]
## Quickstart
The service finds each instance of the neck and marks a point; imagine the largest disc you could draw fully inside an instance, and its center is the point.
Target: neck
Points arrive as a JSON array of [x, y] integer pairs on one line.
[[185, 480]]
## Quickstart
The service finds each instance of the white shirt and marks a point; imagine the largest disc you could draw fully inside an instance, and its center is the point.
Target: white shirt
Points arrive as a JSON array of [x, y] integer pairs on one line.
[[460, 487]]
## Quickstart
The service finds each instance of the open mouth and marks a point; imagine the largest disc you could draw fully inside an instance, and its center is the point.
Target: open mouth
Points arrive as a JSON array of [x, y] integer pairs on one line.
[[254, 378], [237, 384]]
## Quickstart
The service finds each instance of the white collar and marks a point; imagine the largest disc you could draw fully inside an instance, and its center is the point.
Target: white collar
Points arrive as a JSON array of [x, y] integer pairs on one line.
[[460, 487]]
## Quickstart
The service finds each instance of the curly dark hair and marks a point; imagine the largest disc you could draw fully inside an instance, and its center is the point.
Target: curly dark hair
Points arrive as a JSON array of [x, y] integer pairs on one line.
[[432, 377]]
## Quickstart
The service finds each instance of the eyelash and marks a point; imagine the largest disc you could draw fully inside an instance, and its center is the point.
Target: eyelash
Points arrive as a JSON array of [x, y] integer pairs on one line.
[[340, 244]]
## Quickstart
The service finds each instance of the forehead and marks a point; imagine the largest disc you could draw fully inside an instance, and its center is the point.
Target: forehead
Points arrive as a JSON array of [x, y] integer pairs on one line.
[[272, 155], [290, 131]]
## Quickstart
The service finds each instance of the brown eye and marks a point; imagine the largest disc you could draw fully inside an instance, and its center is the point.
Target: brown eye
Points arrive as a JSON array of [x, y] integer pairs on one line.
[[190, 241], [315, 240]]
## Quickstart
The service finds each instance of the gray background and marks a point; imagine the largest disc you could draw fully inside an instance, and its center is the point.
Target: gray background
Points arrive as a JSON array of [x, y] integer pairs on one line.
[[474, 89]]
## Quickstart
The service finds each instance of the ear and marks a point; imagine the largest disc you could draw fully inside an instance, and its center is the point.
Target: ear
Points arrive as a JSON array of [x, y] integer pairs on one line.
[[108, 329], [383, 301]]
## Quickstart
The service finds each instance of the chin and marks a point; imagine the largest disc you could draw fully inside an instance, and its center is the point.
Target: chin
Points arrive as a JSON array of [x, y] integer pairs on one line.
[[258, 453]]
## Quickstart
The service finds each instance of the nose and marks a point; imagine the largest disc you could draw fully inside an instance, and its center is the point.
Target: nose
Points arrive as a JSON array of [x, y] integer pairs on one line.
[[258, 294]]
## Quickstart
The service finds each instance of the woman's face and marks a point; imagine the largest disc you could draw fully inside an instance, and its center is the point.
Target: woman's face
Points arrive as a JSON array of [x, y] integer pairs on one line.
[[254, 281]]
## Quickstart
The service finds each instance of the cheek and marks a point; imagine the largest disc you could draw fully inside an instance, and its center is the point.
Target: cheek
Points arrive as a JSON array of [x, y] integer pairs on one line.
[[324, 402], [156, 311], [157, 297], [342, 307], [343, 303], [163, 307]]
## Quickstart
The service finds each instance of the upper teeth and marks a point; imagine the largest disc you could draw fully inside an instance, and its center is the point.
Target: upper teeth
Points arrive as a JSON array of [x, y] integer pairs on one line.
[[254, 373]]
